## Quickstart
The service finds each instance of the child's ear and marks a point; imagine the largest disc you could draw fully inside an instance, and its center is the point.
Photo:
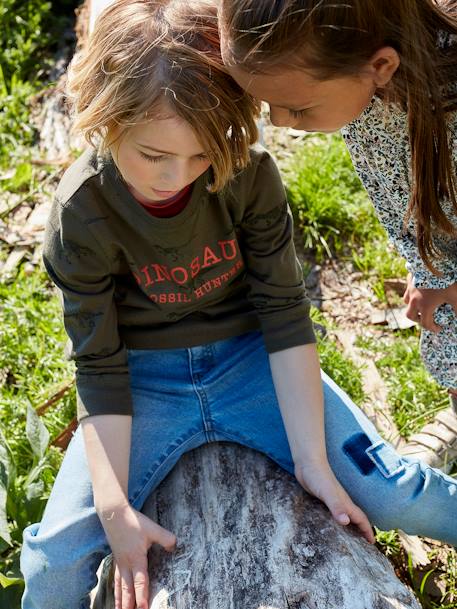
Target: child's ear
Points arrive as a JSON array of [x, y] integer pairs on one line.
[[383, 64]]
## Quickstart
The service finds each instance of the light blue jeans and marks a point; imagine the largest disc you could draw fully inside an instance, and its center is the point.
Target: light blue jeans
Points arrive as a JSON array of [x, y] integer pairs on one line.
[[220, 391]]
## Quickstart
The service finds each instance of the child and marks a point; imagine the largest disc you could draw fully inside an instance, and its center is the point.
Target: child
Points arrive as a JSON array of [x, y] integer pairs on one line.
[[185, 307], [385, 73]]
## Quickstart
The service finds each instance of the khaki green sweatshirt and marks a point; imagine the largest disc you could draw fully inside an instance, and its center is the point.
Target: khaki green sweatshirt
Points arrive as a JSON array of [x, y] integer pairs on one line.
[[223, 266]]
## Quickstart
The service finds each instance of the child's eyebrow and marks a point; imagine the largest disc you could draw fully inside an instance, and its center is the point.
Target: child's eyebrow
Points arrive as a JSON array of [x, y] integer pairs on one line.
[[155, 149], [152, 149]]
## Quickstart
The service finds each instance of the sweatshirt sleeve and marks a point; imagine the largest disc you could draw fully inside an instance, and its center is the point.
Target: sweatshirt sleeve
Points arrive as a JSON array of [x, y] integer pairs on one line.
[[274, 274], [79, 268]]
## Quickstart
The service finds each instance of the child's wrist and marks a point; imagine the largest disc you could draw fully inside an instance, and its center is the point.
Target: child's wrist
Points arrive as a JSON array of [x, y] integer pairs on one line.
[[107, 510], [314, 462]]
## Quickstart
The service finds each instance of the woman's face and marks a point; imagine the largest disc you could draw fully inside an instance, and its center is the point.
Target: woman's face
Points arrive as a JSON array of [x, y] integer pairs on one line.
[[298, 100]]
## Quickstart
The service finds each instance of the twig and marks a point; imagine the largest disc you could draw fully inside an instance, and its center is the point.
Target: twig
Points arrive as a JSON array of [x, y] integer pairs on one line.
[[55, 398]]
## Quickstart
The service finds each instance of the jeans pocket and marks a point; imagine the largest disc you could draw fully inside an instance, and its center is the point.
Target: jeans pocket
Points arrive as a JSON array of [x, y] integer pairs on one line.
[[368, 456]]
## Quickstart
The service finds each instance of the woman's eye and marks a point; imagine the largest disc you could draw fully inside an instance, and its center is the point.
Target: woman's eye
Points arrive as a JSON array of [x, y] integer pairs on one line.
[[151, 159], [202, 157]]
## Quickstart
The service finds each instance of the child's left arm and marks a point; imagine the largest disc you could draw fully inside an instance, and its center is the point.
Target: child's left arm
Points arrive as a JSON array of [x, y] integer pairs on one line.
[[296, 376], [276, 289]]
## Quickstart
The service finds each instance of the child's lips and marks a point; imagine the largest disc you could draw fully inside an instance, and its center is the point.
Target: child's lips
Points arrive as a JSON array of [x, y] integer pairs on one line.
[[165, 193]]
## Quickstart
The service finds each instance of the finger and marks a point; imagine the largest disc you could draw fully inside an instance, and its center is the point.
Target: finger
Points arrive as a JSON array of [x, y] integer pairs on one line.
[[141, 583], [359, 519], [346, 512], [162, 536], [339, 511], [412, 313], [117, 588], [427, 321], [127, 590], [406, 296]]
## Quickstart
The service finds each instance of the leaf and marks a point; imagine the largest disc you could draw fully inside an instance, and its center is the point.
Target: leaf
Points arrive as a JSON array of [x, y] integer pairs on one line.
[[10, 598], [5, 469], [5, 581], [37, 434], [22, 177], [3, 87], [4, 528], [35, 490]]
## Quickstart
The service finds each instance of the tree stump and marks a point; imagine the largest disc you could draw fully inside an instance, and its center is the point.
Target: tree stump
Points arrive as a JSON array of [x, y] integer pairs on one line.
[[249, 537]]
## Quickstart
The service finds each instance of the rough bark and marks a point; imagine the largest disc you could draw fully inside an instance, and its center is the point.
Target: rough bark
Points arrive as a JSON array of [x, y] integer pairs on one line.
[[251, 538]]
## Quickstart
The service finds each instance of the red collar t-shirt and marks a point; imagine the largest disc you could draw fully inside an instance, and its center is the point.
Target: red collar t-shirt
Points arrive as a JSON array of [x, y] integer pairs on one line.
[[170, 207]]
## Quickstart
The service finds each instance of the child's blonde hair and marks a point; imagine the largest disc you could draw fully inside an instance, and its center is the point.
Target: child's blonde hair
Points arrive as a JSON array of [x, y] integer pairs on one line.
[[145, 52]]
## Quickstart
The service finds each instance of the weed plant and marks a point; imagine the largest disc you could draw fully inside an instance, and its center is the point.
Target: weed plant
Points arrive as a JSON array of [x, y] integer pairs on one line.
[[331, 208], [31, 333], [32, 370], [28, 35], [413, 394], [334, 213], [346, 373]]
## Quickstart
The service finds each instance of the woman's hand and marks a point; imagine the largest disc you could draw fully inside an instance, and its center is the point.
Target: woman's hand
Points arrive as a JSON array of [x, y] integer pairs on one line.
[[130, 534], [319, 480], [422, 303]]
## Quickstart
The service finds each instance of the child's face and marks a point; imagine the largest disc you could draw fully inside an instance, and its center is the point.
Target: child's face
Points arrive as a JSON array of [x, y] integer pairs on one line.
[[159, 158], [299, 101]]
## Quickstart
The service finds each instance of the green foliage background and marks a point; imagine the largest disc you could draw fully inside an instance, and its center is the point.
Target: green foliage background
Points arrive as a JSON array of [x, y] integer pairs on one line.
[[31, 333], [331, 210]]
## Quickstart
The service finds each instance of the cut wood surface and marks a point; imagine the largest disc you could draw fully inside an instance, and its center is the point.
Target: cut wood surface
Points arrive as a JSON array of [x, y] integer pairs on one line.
[[250, 538]]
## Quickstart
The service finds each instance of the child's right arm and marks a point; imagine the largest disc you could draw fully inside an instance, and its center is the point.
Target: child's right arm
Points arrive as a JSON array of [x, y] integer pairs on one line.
[[77, 263], [129, 532]]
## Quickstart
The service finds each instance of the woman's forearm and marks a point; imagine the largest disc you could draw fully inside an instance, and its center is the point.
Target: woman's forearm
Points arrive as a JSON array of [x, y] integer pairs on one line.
[[298, 385], [107, 441]]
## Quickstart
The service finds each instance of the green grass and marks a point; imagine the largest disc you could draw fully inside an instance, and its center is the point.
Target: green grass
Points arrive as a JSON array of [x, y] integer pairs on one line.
[[339, 367], [31, 358], [331, 208], [33, 369], [333, 212], [413, 394]]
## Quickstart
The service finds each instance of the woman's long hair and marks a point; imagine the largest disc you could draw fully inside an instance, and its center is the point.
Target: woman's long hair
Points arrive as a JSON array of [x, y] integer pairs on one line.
[[337, 38]]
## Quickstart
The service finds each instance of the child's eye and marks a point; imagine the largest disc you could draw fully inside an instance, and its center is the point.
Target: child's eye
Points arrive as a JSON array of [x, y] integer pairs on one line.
[[202, 157], [298, 113], [151, 159]]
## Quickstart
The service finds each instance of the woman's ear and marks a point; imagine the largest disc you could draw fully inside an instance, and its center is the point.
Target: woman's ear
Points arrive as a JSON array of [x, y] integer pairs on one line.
[[383, 65]]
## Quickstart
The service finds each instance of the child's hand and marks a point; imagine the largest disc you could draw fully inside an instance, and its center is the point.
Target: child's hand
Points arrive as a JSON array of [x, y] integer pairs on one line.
[[320, 481], [130, 534], [422, 303]]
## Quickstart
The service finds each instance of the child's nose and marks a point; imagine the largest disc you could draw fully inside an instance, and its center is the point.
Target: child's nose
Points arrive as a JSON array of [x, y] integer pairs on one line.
[[177, 176]]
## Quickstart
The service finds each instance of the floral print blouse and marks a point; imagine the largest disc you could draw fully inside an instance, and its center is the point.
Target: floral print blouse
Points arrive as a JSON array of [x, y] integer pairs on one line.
[[378, 143]]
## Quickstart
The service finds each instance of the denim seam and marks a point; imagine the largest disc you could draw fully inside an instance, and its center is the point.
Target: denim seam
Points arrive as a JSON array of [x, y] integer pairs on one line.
[[159, 464], [236, 439], [202, 399]]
